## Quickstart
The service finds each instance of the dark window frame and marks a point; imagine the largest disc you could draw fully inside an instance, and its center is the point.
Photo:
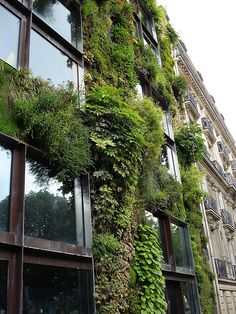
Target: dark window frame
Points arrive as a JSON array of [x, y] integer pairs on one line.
[[18, 249]]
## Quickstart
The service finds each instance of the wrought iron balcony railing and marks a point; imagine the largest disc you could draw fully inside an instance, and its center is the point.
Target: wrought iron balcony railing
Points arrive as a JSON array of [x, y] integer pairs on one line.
[[219, 168], [189, 99], [224, 153], [230, 180], [209, 128], [210, 204], [222, 148], [225, 269], [221, 268], [233, 165], [206, 153], [227, 218]]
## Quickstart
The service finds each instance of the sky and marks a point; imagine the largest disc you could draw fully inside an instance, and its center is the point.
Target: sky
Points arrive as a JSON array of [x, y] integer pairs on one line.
[[208, 29]]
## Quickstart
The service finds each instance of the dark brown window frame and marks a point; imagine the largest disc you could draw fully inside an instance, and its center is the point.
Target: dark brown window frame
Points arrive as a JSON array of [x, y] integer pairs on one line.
[[17, 249]]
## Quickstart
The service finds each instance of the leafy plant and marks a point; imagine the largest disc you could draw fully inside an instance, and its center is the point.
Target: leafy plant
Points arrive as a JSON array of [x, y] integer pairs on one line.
[[147, 265], [190, 144]]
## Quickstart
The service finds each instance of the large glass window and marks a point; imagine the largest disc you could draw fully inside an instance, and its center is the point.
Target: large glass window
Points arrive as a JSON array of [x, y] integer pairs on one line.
[[51, 290], [64, 21], [3, 287], [49, 208], [5, 181], [9, 37], [180, 245], [52, 65], [154, 222]]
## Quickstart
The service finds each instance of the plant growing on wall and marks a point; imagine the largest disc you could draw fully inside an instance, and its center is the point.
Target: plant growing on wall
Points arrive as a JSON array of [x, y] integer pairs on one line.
[[147, 267]]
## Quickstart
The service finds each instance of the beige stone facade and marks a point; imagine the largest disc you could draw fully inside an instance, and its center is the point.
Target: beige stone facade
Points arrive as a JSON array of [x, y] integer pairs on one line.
[[219, 167]]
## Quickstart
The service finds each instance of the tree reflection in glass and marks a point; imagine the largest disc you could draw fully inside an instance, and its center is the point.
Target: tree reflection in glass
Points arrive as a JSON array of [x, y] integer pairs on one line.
[[49, 209], [64, 21], [57, 67], [5, 181], [179, 245]]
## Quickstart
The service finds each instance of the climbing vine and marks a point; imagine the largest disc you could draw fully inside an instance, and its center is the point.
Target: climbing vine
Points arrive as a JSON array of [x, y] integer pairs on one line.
[[147, 267]]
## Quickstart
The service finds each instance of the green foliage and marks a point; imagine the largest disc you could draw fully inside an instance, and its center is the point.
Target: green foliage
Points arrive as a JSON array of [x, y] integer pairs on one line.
[[48, 118], [108, 40], [192, 195], [147, 265], [179, 86], [190, 144], [167, 39], [112, 274]]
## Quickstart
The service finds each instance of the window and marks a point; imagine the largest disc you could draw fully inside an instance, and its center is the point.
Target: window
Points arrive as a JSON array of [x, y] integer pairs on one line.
[[50, 289], [3, 287], [9, 37], [169, 159], [180, 246], [64, 21], [5, 184], [45, 234], [49, 209], [54, 65], [167, 124]]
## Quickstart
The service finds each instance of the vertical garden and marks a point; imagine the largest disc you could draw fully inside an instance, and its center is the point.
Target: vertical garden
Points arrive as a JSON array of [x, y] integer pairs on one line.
[[118, 138]]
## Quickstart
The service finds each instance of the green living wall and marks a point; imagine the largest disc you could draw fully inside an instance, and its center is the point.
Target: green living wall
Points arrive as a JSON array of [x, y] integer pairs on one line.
[[118, 138]]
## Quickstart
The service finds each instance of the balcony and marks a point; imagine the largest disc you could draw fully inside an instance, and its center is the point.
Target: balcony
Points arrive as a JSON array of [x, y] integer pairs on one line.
[[225, 270], [219, 168], [230, 180], [208, 130], [224, 154], [212, 212], [191, 103], [227, 224], [233, 166]]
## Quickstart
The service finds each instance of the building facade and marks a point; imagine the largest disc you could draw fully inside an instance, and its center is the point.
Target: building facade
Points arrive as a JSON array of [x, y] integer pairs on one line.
[[218, 166]]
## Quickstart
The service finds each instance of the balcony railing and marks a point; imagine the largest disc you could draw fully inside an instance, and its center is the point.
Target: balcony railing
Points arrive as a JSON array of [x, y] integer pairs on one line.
[[189, 98], [208, 127], [227, 218], [233, 165], [230, 180], [219, 168], [210, 203], [225, 269], [222, 148], [206, 153], [224, 153]]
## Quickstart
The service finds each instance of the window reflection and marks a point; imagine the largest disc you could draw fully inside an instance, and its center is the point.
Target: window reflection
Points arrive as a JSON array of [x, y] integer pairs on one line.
[[49, 211], [61, 19], [179, 245], [50, 290], [3, 287], [154, 222], [9, 36], [5, 181], [53, 65]]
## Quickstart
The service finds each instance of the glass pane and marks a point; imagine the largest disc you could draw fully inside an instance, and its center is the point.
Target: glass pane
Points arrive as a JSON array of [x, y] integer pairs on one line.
[[190, 297], [154, 222], [50, 289], [9, 36], [61, 19], [5, 182], [49, 210], [56, 67], [3, 287], [179, 246]]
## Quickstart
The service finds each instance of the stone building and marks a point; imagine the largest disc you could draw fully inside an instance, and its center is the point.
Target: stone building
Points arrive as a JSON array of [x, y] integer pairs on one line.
[[219, 168]]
